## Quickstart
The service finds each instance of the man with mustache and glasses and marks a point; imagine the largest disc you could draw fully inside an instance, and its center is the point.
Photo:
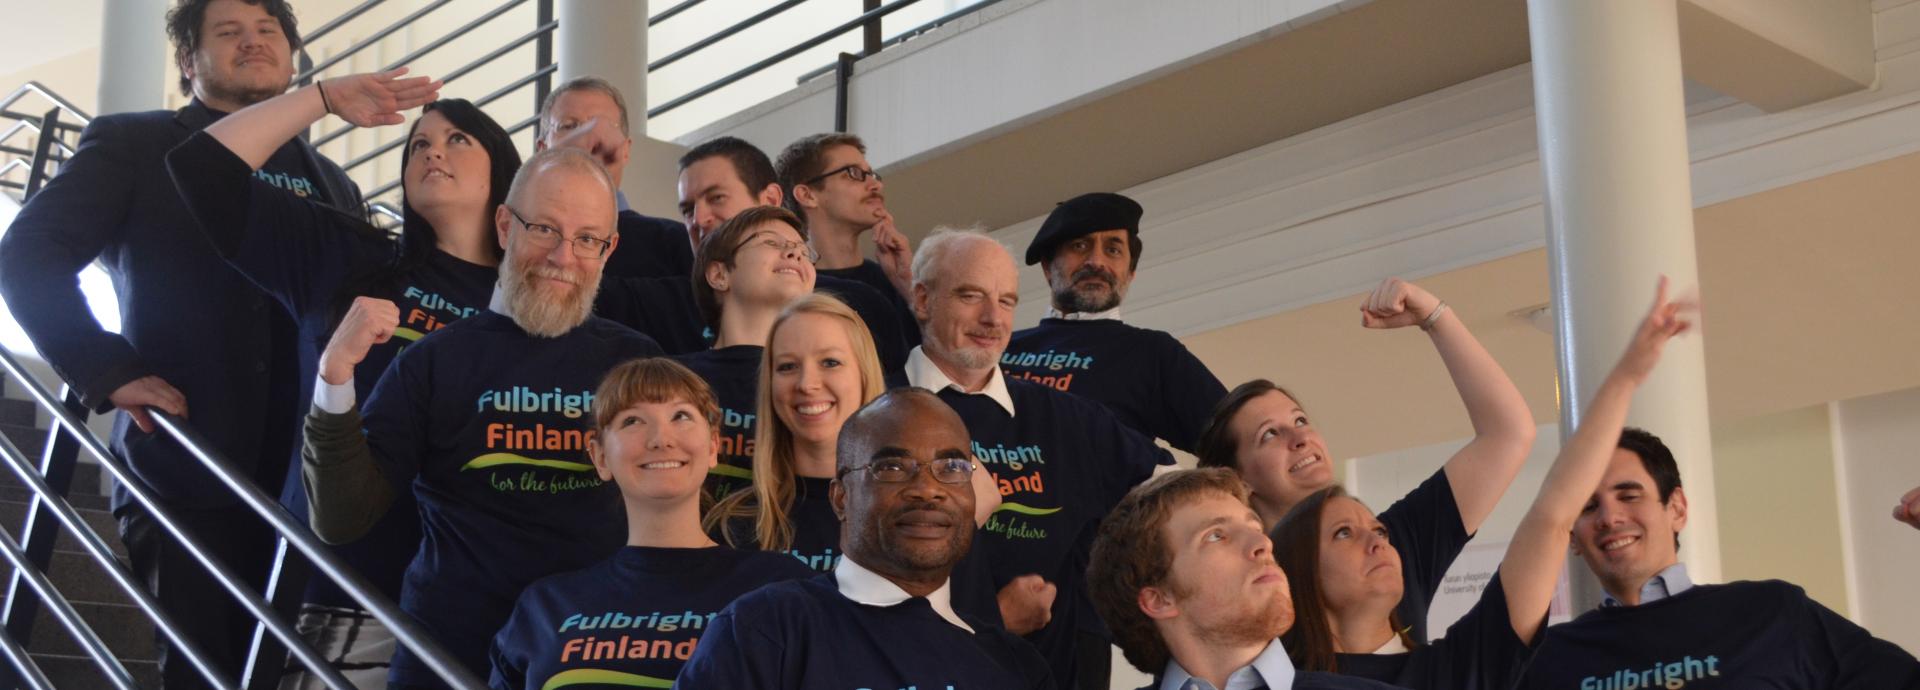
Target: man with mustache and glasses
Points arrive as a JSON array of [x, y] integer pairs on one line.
[[884, 618], [194, 332], [485, 419], [831, 185], [1061, 461], [1090, 248]]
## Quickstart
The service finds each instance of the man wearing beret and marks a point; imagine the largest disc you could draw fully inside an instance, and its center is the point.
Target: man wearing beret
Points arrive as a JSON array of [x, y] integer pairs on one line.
[[1089, 248]]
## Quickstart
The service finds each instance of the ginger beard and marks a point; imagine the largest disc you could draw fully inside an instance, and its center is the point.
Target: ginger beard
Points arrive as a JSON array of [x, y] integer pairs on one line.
[[540, 306]]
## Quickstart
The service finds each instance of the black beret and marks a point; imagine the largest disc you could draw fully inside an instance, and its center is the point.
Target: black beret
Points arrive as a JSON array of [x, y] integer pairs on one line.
[[1081, 216]]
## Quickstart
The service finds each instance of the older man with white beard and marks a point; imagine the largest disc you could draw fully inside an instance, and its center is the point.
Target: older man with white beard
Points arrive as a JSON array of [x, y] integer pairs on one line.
[[486, 419], [1060, 461]]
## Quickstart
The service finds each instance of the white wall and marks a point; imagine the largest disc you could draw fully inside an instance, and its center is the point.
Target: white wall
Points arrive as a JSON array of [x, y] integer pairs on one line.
[[1875, 439]]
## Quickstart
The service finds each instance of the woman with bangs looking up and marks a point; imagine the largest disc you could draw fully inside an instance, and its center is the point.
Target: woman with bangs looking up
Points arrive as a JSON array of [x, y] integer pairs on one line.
[[1262, 432], [455, 168], [656, 434]]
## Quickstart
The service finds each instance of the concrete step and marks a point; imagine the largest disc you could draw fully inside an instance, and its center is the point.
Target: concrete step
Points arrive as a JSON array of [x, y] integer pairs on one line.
[[13, 515], [20, 412], [126, 630], [68, 671], [79, 578], [30, 439]]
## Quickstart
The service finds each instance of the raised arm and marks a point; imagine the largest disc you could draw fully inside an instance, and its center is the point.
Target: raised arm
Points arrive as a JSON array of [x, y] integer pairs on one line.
[[347, 490], [366, 100], [1539, 547], [1908, 510], [1502, 427]]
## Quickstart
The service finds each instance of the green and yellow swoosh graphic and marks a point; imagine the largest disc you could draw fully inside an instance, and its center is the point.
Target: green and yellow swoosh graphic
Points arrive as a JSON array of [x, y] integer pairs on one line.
[[498, 459], [726, 470], [408, 334], [1025, 509], [582, 676]]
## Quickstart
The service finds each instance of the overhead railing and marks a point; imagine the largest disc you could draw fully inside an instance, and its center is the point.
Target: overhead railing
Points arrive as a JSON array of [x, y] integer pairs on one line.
[[50, 134]]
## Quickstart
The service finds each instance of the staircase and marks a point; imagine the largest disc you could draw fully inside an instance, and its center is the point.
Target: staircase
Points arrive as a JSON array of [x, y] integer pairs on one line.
[[105, 608]]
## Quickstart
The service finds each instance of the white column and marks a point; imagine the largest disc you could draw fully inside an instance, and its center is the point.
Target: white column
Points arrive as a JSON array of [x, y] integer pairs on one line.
[[608, 39], [1613, 145], [133, 56]]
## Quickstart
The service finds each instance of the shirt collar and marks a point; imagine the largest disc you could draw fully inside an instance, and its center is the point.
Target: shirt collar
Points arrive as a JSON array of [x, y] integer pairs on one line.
[[868, 588], [1113, 314], [1272, 669], [1669, 582], [922, 372]]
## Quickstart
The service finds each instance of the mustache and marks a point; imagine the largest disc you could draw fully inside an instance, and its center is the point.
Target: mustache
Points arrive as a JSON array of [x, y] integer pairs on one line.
[[947, 510], [1091, 271]]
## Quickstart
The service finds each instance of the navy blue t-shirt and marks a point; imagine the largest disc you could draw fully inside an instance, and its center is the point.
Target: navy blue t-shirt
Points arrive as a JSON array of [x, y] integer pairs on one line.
[[489, 425], [1062, 462], [805, 634], [734, 375], [1146, 377], [629, 621], [1748, 634], [1426, 528], [305, 255], [650, 247], [1480, 652], [869, 273], [816, 530]]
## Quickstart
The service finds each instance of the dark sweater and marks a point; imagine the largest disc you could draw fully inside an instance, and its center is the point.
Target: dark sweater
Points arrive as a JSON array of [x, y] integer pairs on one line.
[[805, 634], [869, 273], [1749, 634], [487, 424], [1480, 652], [734, 375], [309, 257], [1062, 462], [1145, 377], [650, 247], [816, 530], [630, 620]]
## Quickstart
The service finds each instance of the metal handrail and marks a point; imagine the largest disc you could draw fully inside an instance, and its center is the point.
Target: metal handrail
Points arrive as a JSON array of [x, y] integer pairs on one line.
[[255, 605], [723, 82], [337, 22], [382, 149], [904, 36], [35, 87], [63, 612], [436, 44], [377, 36], [723, 34], [668, 13], [29, 671], [461, 71], [97, 548]]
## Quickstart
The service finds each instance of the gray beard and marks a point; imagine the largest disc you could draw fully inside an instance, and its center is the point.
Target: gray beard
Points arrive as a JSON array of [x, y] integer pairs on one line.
[[540, 315]]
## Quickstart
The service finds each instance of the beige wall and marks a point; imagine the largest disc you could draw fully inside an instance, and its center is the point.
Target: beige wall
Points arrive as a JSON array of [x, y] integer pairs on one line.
[[1779, 505], [75, 76]]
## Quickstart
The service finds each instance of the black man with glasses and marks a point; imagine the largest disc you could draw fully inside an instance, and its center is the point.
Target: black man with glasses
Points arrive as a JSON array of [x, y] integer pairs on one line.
[[885, 617], [485, 420], [1061, 461], [833, 187], [750, 267]]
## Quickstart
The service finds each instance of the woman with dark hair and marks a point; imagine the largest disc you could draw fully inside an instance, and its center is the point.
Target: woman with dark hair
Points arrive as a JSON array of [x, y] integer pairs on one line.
[[455, 168], [1262, 432], [1345, 574], [656, 434]]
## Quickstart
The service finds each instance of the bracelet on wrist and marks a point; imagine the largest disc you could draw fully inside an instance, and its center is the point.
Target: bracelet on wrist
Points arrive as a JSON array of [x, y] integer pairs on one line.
[[1433, 317], [324, 103]]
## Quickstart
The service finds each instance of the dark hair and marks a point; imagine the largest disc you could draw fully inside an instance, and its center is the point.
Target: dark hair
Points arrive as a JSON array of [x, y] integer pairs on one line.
[[1217, 447], [1131, 552], [1658, 461], [749, 162], [805, 159], [1296, 547], [722, 244], [183, 29], [417, 236], [594, 84]]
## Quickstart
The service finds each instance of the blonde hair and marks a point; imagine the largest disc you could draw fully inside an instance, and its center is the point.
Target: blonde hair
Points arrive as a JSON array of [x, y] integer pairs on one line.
[[774, 476]]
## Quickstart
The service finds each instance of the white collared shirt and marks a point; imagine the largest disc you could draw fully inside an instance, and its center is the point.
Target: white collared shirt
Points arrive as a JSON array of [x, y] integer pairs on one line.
[[1272, 669], [868, 588], [339, 399], [1114, 314], [922, 372], [1673, 580]]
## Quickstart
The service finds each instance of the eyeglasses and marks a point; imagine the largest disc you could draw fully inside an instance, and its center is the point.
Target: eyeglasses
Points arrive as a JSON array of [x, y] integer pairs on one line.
[[585, 247], [782, 246], [853, 172], [902, 470]]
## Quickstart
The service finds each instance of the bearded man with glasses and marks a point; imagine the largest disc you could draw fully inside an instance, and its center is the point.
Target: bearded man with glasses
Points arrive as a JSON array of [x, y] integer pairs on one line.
[[885, 617], [485, 420]]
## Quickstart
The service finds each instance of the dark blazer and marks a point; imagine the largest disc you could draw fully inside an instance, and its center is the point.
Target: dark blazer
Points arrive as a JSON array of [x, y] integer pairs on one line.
[[186, 316]]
